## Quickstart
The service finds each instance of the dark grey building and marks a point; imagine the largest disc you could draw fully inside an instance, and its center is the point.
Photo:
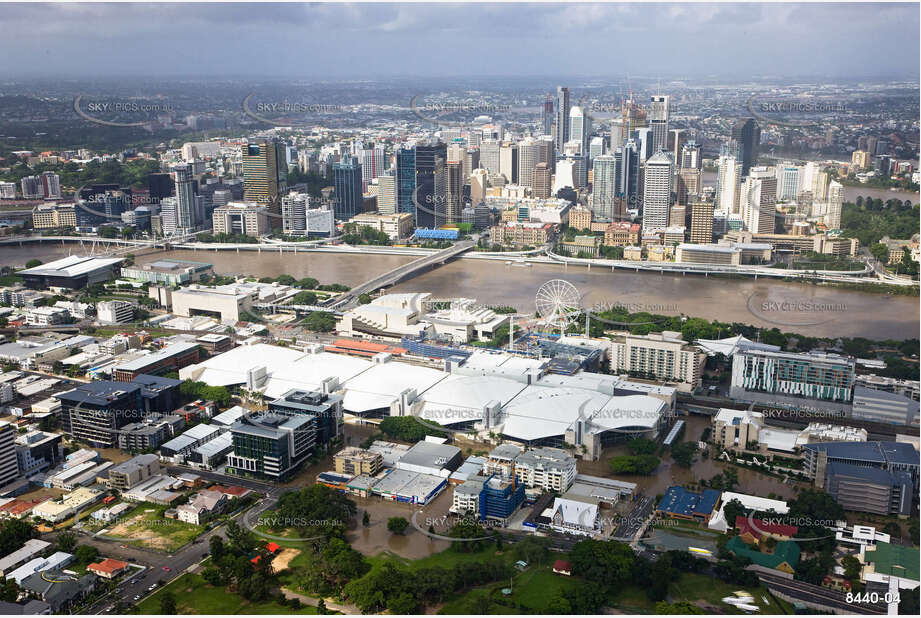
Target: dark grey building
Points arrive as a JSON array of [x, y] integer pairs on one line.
[[869, 490], [327, 408]]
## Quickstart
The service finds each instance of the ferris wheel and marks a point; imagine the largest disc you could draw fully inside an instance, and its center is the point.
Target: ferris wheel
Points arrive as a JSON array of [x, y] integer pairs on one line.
[[558, 303]]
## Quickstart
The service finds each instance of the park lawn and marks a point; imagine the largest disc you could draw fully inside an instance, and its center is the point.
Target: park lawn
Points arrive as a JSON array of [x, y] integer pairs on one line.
[[194, 596], [632, 598], [536, 587], [472, 602], [694, 587]]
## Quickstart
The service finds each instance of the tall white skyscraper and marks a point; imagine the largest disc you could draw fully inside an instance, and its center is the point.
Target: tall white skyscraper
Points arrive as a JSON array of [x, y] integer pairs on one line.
[[657, 192], [727, 184], [759, 196], [387, 194], [788, 176], [617, 134], [596, 147], [294, 213], [658, 122], [604, 187], [508, 162], [835, 204], [577, 127]]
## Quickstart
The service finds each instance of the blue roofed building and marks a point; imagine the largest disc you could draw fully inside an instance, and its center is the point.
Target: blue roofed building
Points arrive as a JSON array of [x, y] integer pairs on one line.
[[680, 503]]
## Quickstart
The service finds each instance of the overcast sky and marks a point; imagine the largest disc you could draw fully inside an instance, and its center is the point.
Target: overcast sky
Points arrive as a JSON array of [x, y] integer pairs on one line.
[[377, 40]]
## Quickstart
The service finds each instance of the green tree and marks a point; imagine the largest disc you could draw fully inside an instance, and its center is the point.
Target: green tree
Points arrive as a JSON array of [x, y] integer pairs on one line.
[[167, 603], [365, 519], [397, 525], [320, 322], [33, 263], [85, 554], [66, 541]]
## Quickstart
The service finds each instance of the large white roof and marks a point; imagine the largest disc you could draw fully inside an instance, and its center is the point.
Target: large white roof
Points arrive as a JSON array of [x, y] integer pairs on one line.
[[381, 385], [754, 503], [542, 412], [309, 371], [231, 366], [459, 398]]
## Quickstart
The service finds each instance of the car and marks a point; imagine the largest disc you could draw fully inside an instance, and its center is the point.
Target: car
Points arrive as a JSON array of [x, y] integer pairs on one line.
[[167, 569], [152, 586], [137, 597]]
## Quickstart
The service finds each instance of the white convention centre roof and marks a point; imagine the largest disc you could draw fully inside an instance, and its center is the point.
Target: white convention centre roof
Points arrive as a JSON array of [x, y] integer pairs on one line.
[[381, 385]]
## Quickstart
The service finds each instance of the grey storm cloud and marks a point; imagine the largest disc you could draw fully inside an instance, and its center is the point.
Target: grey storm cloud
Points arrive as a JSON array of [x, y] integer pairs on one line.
[[367, 40]]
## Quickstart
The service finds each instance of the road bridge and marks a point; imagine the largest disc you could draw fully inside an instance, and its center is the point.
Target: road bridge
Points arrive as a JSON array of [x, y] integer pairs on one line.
[[399, 273]]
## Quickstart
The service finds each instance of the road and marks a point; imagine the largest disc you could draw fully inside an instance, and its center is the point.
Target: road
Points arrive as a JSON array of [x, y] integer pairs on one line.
[[631, 523], [834, 600]]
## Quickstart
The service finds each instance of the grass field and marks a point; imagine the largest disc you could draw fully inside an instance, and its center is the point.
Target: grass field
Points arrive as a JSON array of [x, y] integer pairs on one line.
[[145, 526], [533, 590], [194, 596]]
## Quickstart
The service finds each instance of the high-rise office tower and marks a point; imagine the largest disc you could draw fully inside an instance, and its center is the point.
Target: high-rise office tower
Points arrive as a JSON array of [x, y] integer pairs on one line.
[[454, 191], [596, 147], [265, 173], [747, 134], [835, 204], [455, 152], [51, 186], [701, 222], [633, 116], [347, 183], [617, 135], [788, 181], [541, 183], [580, 128], [430, 183], [489, 156], [185, 198], [546, 116], [387, 194], [169, 217], [677, 138], [294, 213], [728, 180], [604, 187], [630, 175], [471, 161], [406, 180], [562, 118], [819, 185], [658, 121], [479, 181], [759, 196], [689, 173], [643, 138], [528, 158], [508, 162], [690, 156], [657, 192]]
